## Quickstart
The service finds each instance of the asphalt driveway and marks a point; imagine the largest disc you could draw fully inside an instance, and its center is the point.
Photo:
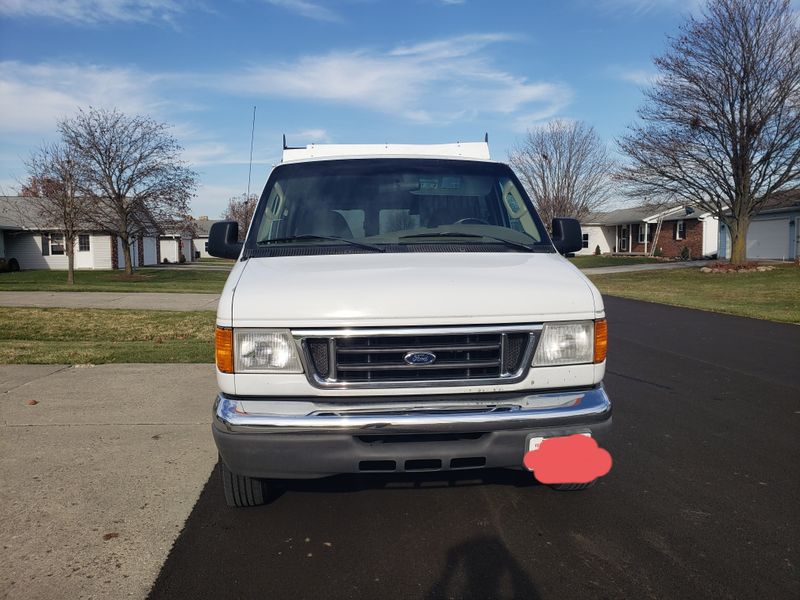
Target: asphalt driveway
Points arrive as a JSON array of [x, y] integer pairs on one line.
[[112, 464], [702, 501]]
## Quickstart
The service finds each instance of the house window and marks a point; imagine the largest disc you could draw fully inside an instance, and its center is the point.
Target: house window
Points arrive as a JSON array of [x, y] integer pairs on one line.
[[585, 240], [642, 228], [680, 230], [57, 244], [83, 242], [45, 244]]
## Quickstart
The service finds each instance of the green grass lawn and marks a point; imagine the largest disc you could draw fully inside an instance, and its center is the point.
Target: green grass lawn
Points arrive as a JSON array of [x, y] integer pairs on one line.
[[143, 280], [81, 336], [587, 262], [773, 295]]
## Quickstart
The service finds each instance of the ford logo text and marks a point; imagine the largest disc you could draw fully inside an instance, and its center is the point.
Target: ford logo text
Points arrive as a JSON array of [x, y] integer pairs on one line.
[[420, 358]]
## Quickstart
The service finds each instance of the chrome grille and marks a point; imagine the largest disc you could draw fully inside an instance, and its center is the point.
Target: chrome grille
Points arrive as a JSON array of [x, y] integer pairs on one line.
[[378, 357]]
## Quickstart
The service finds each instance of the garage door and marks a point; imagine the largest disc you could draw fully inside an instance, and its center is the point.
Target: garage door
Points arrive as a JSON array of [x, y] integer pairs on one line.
[[768, 239], [150, 250]]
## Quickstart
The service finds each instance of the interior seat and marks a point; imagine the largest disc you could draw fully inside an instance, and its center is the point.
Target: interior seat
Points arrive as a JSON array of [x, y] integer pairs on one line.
[[325, 222]]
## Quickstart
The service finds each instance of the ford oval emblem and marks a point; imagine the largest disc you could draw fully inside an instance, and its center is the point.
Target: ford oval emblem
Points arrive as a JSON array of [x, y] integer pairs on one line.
[[420, 358]]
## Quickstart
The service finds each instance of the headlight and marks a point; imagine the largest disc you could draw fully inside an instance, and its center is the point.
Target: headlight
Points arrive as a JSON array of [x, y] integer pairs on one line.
[[266, 351], [565, 344]]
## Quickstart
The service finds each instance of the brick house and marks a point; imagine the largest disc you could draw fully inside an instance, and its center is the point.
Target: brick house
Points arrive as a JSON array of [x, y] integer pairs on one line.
[[633, 231]]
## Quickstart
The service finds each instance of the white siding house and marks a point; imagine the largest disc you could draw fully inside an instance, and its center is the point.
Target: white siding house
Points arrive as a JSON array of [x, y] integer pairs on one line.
[[594, 236], [37, 250], [202, 227], [38, 246]]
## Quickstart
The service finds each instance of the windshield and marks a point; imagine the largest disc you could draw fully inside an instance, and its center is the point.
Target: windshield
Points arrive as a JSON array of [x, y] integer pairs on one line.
[[395, 205]]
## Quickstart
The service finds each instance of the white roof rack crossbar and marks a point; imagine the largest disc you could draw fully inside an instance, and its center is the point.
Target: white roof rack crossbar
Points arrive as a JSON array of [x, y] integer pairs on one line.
[[473, 150]]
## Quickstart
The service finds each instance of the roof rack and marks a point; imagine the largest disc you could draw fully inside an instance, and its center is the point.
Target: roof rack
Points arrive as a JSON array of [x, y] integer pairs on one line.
[[473, 150]]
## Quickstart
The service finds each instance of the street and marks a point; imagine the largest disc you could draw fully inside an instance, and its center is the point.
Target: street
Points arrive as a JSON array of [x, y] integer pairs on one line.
[[702, 500]]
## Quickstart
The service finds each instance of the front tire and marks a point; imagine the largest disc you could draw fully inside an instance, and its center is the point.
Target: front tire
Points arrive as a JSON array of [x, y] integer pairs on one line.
[[240, 491], [572, 487]]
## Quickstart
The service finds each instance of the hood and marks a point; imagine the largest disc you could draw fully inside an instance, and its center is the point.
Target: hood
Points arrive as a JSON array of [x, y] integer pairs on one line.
[[410, 289]]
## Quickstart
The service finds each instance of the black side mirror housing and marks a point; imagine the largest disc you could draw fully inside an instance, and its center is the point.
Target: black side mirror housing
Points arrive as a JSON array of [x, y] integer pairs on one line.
[[567, 236], [223, 240]]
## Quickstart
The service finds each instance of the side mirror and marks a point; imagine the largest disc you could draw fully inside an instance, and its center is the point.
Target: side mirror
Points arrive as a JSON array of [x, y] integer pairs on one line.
[[223, 240], [567, 236]]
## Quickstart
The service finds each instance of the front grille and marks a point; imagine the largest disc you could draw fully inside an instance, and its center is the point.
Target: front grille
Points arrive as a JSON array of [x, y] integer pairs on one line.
[[444, 356]]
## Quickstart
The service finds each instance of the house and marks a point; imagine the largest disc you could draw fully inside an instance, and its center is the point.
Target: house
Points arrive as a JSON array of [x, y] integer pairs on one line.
[[774, 233], [645, 230], [202, 227], [37, 245], [175, 242]]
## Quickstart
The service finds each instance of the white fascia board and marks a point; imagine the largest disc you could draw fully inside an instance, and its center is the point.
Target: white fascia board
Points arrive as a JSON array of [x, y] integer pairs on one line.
[[469, 150], [662, 214]]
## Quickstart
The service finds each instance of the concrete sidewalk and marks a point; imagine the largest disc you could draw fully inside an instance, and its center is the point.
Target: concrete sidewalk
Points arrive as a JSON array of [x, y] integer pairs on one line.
[[99, 474], [134, 300], [646, 267]]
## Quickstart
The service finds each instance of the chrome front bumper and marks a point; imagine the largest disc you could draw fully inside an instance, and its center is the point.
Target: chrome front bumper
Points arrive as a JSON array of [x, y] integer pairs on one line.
[[292, 438], [414, 415]]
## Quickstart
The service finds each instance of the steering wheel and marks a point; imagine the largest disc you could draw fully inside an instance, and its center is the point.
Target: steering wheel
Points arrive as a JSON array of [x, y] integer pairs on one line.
[[471, 221]]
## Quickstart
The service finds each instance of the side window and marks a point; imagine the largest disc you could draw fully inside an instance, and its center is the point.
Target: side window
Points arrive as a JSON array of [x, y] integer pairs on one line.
[[585, 240], [57, 244], [680, 230], [518, 216], [83, 242], [45, 244], [273, 214]]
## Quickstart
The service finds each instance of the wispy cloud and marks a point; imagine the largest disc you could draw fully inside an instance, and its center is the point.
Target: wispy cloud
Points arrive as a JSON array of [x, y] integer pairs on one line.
[[640, 7], [96, 11], [34, 96], [434, 81], [637, 76], [306, 8], [308, 136]]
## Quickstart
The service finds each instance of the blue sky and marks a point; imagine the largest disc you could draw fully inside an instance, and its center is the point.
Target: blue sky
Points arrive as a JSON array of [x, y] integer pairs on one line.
[[344, 71]]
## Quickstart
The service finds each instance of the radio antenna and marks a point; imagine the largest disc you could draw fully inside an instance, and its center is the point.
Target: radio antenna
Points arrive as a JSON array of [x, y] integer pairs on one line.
[[250, 169]]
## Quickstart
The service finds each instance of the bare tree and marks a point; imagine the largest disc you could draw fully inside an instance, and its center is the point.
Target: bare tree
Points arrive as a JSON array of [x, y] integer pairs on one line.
[[241, 209], [721, 125], [565, 168], [53, 190], [132, 171]]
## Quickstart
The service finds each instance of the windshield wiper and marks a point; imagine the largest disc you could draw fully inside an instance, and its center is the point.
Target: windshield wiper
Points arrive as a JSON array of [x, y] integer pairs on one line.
[[311, 236], [504, 241]]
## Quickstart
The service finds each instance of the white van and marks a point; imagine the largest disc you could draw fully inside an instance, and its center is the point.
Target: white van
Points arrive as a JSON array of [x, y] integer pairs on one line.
[[399, 309]]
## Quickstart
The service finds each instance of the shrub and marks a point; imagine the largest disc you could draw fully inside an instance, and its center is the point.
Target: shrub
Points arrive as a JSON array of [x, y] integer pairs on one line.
[[182, 259], [597, 250], [686, 254], [658, 252]]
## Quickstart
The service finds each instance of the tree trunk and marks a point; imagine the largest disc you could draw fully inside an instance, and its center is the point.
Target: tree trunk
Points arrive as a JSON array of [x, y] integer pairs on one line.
[[739, 242], [70, 248], [126, 253]]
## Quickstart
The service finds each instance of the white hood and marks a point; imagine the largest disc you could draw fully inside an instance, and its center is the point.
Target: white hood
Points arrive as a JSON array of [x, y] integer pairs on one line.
[[407, 289]]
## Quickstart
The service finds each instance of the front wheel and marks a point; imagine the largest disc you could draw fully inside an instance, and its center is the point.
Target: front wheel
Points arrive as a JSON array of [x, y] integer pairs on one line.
[[240, 490]]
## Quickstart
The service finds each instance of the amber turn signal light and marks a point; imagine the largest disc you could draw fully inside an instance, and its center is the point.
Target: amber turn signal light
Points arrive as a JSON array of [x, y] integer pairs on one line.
[[600, 340], [223, 349]]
